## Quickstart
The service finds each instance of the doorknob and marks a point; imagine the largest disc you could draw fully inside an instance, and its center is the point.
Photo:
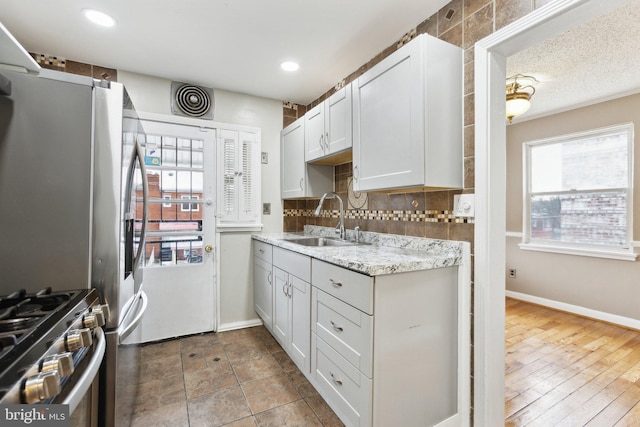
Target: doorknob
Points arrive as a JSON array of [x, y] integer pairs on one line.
[[208, 248]]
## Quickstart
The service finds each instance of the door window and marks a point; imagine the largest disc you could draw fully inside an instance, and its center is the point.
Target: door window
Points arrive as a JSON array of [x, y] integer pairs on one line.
[[176, 182]]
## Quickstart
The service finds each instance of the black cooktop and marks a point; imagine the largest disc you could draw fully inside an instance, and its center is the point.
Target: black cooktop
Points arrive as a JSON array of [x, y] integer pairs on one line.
[[30, 323]]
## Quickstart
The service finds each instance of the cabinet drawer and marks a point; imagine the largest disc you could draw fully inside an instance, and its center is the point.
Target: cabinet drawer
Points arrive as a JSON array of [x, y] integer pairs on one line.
[[353, 288], [346, 329], [345, 388], [294, 263], [263, 251]]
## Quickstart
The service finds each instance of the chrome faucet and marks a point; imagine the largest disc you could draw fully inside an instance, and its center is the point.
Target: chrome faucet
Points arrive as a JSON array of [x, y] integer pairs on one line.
[[340, 226]]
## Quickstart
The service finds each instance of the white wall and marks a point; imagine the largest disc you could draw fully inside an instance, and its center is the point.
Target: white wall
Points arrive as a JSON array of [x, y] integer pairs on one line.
[[152, 94], [603, 285]]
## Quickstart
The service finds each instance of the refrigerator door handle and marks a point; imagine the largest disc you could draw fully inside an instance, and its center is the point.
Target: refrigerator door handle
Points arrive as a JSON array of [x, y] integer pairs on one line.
[[129, 327], [145, 204]]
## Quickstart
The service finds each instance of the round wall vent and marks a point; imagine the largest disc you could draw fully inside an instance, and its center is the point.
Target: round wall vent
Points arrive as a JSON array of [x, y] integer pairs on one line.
[[191, 100]]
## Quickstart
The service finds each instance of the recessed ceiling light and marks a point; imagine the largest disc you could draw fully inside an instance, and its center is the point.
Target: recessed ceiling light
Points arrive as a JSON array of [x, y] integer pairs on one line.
[[99, 18], [289, 66]]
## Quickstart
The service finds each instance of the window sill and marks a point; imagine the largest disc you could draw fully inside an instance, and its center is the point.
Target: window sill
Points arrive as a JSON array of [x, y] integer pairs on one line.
[[598, 253]]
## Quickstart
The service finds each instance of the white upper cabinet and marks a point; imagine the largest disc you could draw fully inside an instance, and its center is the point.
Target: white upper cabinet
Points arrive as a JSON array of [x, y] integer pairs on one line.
[[328, 126], [299, 179], [408, 119], [239, 183]]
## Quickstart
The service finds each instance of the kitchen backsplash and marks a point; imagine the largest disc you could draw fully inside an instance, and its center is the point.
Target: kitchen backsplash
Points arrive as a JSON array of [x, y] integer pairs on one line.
[[62, 64], [420, 214]]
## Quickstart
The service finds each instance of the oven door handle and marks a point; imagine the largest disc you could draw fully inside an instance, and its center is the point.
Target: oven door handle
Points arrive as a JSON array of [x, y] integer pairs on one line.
[[76, 395], [131, 326]]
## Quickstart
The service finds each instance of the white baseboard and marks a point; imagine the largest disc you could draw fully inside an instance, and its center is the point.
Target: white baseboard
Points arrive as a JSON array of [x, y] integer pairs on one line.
[[239, 325], [627, 322]]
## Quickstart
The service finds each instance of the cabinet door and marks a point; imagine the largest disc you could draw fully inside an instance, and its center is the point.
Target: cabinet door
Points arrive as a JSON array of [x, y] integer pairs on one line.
[[292, 160], [300, 300], [281, 306], [314, 133], [338, 135], [263, 291], [388, 143]]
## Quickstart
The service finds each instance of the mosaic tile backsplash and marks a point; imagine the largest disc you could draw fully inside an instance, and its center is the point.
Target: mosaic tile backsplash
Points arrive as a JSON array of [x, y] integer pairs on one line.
[[58, 63]]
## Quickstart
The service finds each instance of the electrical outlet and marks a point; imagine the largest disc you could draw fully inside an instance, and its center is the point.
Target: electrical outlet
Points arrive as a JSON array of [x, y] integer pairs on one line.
[[266, 208], [265, 158], [512, 273]]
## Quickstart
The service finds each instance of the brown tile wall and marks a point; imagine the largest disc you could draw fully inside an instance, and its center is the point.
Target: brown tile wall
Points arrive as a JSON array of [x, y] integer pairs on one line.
[[61, 64], [462, 23]]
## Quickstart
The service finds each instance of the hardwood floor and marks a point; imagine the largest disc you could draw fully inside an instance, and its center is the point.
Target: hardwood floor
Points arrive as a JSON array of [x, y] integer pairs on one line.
[[566, 370]]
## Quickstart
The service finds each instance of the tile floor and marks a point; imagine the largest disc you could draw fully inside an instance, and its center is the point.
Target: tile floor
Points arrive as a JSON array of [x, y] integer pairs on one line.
[[238, 378]]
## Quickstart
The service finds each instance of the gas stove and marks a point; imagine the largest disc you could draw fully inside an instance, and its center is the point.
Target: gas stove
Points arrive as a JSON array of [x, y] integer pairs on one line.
[[44, 336]]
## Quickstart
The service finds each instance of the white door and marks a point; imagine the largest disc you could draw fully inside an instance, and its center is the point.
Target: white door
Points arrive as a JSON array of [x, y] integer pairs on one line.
[[388, 123], [179, 273], [281, 306], [315, 139], [300, 308], [292, 158], [338, 121]]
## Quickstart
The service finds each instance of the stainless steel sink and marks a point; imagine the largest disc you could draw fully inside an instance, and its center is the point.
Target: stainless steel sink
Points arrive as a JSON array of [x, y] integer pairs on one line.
[[322, 241]]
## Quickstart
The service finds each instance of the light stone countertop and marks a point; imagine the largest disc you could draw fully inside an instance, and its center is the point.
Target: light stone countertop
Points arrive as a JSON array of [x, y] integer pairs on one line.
[[385, 253]]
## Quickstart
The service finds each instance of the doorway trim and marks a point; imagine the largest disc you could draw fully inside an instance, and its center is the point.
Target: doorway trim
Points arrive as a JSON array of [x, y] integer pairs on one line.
[[490, 187]]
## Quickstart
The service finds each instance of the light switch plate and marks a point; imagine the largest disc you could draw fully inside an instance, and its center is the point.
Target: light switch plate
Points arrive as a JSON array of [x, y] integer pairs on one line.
[[265, 158], [464, 205], [266, 208]]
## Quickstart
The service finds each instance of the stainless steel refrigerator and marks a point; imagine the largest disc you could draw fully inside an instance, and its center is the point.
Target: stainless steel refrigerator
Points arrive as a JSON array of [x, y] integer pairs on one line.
[[68, 160]]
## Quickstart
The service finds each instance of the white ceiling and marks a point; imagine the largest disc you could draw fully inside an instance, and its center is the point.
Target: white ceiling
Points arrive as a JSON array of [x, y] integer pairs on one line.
[[236, 45], [595, 61]]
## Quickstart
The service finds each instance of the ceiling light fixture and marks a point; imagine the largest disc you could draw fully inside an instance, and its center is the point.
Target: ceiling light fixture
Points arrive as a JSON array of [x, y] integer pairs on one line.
[[289, 66], [99, 18], [519, 92]]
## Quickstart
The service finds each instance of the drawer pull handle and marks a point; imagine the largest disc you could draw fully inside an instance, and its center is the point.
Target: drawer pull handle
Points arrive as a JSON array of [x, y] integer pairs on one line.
[[270, 278], [339, 382], [337, 328], [261, 251], [336, 284], [284, 289]]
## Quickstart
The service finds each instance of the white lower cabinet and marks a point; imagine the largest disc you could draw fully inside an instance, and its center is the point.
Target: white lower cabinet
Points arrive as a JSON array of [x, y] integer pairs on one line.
[[382, 351], [292, 305], [263, 282], [384, 348]]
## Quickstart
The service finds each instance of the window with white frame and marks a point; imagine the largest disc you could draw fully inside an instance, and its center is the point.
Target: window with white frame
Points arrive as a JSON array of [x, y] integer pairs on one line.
[[578, 193], [190, 207]]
